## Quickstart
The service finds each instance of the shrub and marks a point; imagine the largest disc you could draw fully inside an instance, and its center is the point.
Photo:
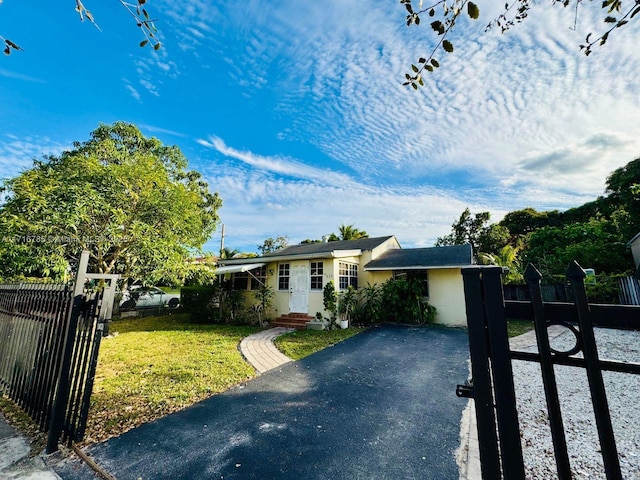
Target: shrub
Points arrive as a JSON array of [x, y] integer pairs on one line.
[[196, 300], [395, 301]]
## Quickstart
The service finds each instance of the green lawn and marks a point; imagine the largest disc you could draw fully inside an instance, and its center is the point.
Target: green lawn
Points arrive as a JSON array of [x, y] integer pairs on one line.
[[518, 327], [149, 367], [301, 343]]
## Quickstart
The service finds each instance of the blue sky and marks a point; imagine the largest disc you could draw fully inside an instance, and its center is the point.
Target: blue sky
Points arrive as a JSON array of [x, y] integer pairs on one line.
[[295, 113]]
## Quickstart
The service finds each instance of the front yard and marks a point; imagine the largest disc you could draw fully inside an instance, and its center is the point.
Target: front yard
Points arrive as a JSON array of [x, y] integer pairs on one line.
[[150, 367]]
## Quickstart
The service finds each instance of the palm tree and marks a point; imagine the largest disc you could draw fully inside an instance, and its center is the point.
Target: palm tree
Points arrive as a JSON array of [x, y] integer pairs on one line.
[[506, 257], [349, 232], [227, 253]]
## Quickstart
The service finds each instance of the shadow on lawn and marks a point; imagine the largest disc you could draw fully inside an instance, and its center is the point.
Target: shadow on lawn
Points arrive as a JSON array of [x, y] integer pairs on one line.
[[179, 322]]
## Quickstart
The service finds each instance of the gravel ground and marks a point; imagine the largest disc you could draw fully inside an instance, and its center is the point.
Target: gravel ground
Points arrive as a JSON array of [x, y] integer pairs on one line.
[[623, 394]]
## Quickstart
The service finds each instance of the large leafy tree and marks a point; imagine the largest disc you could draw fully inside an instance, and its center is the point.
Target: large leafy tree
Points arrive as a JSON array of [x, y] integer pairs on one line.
[[127, 199], [271, 244], [474, 229], [596, 244], [622, 187]]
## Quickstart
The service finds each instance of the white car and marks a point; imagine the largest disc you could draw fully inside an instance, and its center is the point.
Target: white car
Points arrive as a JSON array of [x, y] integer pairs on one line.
[[136, 297]]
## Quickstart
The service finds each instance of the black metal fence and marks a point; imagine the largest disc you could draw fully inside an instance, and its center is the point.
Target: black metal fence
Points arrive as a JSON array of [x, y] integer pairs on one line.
[[493, 388], [49, 341]]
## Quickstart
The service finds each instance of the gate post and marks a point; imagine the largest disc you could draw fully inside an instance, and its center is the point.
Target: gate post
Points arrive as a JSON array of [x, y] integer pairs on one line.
[[56, 425], [482, 386]]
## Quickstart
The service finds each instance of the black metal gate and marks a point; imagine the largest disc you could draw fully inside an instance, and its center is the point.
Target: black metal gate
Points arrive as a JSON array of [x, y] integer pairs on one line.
[[49, 341], [492, 385]]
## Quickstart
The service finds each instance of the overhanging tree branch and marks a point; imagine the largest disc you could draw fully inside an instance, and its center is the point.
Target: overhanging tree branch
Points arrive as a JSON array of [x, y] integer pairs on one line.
[[137, 11]]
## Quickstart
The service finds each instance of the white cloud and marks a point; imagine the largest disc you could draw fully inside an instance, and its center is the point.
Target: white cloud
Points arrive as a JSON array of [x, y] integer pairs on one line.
[[19, 76], [17, 154], [132, 90], [278, 165]]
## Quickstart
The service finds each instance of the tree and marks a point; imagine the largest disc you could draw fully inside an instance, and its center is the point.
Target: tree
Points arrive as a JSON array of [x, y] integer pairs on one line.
[[444, 15], [622, 187], [126, 198], [465, 230], [348, 232], [271, 245], [227, 253], [507, 257], [137, 10], [525, 221], [594, 244]]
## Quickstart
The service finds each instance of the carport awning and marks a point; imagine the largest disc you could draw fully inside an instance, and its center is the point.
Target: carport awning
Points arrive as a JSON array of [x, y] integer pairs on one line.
[[237, 268]]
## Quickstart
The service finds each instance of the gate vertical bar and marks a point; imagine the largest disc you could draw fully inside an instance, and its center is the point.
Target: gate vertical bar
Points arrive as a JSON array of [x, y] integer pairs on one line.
[[532, 276], [502, 373], [482, 386], [576, 276]]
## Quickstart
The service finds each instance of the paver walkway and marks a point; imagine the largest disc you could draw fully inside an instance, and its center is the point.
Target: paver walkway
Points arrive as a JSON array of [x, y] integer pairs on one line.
[[258, 349]]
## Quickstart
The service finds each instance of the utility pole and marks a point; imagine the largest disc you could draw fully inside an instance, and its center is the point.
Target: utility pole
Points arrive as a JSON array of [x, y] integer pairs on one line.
[[222, 241]]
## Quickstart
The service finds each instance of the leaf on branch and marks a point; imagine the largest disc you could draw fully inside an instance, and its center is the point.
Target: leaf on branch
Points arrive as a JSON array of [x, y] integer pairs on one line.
[[144, 43], [447, 46], [156, 47], [12, 45], [473, 10], [438, 27], [610, 20], [422, 60], [414, 68], [432, 12], [435, 63]]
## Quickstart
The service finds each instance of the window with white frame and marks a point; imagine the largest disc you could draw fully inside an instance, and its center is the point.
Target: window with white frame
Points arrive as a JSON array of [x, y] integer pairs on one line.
[[259, 277], [240, 280], [317, 271], [347, 275], [283, 276]]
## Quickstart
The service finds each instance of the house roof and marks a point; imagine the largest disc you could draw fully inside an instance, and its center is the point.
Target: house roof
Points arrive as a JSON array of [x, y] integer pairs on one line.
[[317, 250], [423, 258]]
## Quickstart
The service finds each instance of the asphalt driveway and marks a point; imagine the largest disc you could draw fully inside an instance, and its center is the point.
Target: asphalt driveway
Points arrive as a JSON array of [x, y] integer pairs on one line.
[[380, 405]]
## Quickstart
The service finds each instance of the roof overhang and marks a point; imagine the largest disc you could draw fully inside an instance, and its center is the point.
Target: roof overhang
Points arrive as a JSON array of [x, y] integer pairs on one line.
[[413, 267], [290, 258], [238, 268]]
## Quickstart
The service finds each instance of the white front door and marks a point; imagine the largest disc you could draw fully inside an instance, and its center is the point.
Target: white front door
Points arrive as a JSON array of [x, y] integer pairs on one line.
[[299, 298]]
